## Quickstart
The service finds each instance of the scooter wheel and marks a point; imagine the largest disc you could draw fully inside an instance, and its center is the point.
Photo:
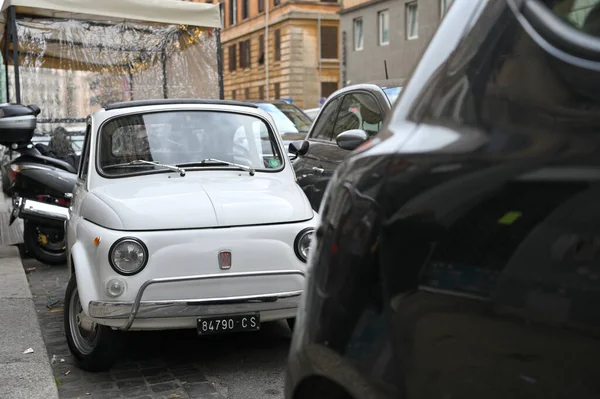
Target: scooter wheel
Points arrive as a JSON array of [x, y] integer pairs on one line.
[[37, 250]]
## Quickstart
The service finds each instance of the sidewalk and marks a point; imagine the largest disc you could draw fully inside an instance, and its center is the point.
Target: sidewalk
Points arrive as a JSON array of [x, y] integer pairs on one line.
[[26, 376]]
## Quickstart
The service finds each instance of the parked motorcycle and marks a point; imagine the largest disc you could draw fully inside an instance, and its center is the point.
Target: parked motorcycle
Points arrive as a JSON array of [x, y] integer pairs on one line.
[[41, 188]]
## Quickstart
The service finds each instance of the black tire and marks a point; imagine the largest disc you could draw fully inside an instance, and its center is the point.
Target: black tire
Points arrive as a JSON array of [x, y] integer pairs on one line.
[[105, 347], [291, 323], [35, 249]]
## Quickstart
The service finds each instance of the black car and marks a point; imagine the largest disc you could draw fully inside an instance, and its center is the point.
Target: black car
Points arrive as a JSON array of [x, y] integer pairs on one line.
[[361, 106], [458, 254]]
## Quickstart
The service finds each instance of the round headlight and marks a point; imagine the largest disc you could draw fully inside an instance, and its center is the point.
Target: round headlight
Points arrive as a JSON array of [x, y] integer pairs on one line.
[[302, 243], [128, 256]]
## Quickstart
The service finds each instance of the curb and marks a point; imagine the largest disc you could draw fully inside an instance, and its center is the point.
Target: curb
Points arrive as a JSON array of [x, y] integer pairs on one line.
[[27, 376]]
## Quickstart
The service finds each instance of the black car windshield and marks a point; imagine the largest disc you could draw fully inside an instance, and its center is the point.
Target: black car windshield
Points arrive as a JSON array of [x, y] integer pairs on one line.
[[392, 93], [185, 138], [288, 118]]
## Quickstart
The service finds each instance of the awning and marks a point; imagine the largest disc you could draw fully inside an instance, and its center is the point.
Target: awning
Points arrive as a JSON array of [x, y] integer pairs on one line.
[[161, 11]]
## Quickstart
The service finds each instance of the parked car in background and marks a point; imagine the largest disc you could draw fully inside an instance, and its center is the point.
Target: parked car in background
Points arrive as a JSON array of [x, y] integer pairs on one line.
[[186, 215], [312, 112], [458, 251], [293, 124], [361, 106]]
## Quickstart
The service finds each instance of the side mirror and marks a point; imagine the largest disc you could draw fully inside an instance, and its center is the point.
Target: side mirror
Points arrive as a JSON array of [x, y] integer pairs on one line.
[[292, 156], [351, 139], [298, 147]]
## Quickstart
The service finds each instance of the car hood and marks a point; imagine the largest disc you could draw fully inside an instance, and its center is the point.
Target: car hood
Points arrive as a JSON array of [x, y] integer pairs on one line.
[[202, 199]]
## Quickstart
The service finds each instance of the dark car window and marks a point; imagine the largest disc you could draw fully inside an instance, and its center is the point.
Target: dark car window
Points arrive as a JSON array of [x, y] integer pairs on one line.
[[323, 129], [359, 111]]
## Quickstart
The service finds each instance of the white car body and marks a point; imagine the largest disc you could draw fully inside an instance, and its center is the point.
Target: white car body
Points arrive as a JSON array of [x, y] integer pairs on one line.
[[184, 222]]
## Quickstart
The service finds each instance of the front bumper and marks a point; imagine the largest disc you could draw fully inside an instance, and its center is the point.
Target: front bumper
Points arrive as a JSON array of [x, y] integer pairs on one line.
[[131, 311]]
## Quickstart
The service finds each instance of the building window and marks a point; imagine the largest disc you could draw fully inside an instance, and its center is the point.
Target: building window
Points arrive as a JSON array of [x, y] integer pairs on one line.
[[412, 21], [358, 34], [245, 54], [232, 58], [383, 18], [261, 49], [261, 92], [329, 42], [444, 4], [277, 88], [275, 2], [328, 88], [232, 12], [247, 93], [277, 45], [245, 7], [233, 94], [261, 5]]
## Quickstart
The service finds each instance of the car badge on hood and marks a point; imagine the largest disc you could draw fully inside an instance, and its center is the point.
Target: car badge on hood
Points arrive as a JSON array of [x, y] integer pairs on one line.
[[225, 260]]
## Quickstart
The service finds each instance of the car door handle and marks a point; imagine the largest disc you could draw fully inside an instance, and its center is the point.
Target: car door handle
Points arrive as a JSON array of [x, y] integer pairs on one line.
[[319, 170]]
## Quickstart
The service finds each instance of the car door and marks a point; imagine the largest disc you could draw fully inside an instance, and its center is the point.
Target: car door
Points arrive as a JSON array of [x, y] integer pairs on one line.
[[309, 166], [358, 110]]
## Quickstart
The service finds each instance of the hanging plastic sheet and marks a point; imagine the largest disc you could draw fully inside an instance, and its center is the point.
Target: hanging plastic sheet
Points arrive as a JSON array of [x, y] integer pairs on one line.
[[72, 67]]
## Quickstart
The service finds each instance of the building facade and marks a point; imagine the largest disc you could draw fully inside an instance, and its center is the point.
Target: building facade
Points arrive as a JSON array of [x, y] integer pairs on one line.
[[294, 56], [391, 34]]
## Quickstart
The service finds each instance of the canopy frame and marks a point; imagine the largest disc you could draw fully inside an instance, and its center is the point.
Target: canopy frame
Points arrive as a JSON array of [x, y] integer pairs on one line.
[[11, 37]]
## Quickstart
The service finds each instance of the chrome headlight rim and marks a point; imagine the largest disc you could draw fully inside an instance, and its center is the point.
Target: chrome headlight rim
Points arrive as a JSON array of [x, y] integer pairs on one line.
[[120, 241], [299, 237]]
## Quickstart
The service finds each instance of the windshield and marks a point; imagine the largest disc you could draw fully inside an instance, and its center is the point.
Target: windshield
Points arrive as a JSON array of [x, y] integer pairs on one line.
[[185, 138], [288, 118], [392, 93]]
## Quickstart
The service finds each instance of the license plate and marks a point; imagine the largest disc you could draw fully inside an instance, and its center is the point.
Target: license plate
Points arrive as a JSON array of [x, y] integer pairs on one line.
[[224, 324]]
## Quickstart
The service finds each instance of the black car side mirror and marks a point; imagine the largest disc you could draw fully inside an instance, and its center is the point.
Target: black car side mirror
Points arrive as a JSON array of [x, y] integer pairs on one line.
[[298, 147], [351, 139]]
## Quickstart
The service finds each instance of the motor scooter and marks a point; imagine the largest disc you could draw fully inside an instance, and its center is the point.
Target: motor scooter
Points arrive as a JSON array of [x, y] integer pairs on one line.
[[42, 188]]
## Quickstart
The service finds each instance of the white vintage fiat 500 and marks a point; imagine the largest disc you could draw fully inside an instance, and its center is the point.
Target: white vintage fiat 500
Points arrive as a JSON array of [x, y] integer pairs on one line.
[[186, 215]]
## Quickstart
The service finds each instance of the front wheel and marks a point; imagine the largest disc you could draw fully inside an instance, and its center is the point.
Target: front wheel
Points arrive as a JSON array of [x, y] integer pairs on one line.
[[95, 347], [46, 244]]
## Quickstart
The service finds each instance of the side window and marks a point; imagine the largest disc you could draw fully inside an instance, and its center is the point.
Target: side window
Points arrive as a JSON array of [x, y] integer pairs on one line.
[[84, 164], [359, 111], [323, 129]]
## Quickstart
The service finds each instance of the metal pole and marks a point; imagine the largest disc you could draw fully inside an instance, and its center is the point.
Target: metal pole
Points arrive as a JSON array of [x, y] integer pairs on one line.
[[6, 57], [268, 97], [220, 63], [164, 73], [130, 76], [15, 43]]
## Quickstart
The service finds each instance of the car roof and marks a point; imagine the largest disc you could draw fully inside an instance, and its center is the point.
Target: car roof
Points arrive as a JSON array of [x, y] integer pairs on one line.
[[175, 101], [267, 102], [388, 83]]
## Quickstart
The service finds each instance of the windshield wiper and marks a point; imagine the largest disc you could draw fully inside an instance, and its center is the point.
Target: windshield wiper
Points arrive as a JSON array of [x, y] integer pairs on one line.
[[143, 162], [206, 161]]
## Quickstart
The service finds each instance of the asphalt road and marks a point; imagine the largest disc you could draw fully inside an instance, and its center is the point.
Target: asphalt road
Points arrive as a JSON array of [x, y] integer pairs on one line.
[[172, 364]]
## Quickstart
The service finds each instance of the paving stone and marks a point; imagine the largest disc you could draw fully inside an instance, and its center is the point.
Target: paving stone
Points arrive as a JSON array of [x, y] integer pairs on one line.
[[135, 383], [203, 388], [165, 386]]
